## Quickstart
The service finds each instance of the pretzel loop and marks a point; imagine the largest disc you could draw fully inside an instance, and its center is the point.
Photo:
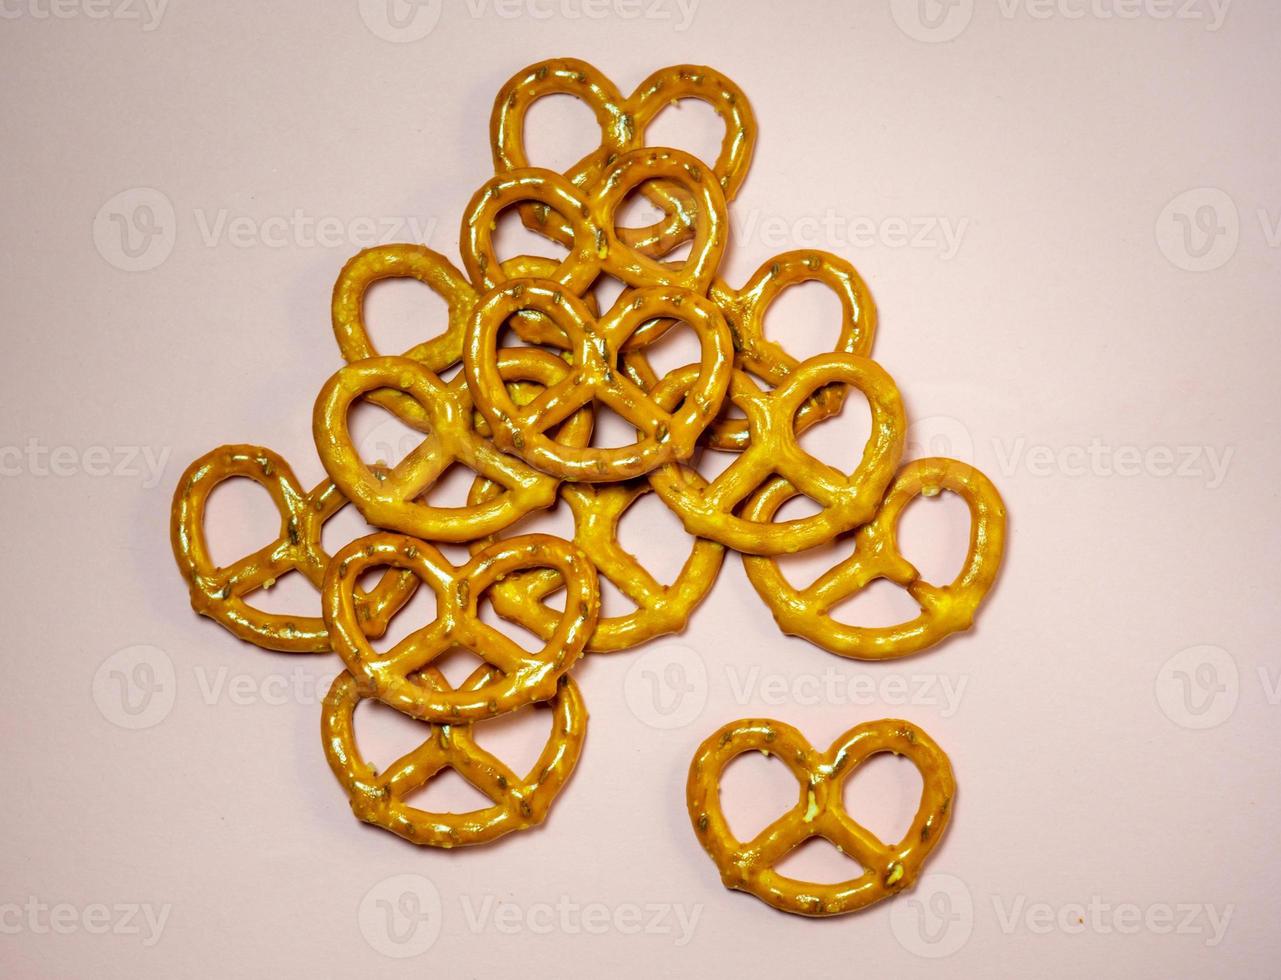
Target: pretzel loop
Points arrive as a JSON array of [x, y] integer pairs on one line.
[[660, 609], [944, 609], [525, 677], [847, 500], [623, 123], [819, 812], [219, 593], [664, 433], [390, 499], [379, 798]]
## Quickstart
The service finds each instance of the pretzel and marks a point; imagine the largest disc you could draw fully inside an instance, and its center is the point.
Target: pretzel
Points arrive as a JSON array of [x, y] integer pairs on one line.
[[819, 812], [744, 310], [707, 509], [523, 677], [440, 352], [944, 609], [623, 123], [390, 499], [664, 434], [379, 798], [596, 244], [219, 593], [660, 609]]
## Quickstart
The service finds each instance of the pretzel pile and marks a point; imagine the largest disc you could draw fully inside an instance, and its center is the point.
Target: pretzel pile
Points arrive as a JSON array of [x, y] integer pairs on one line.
[[521, 416]]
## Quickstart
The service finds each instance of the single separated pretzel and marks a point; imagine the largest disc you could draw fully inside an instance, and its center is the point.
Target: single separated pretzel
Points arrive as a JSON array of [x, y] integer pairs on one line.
[[664, 433], [819, 812], [944, 609], [441, 351], [623, 123], [847, 500], [379, 798], [219, 593], [391, 499], [522, 677], [597, 510], [744, 310]]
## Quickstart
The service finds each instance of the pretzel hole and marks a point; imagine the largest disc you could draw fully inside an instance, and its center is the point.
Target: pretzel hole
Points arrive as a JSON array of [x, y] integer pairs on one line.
[[344, 527], [934, 535], [289, 595], [819, 861], [881, 603], [399, 313], [711, 463], [613, 603], [883, 795], [560, 130], [384, 734], [610, 430], [458, 665], [653, 534], [240, 518], [691, 125], [637, 210], [677, 347], [451, 488], [380, 438], [840, 439], [526, 639], [414, 615], [518, 737], [756, 790], [607, 289], [804, 319], [511, 238], [448, 792]]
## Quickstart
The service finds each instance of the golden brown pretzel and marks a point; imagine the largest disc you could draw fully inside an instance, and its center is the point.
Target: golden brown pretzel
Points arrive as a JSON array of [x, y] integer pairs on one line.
[[744, 310], [660, 609], [523, 677], [847, 500], [391, 499], [819, 812], [623, 123], [664, 434], [944, 609], [219, 593], [439, 352], [519, 803]]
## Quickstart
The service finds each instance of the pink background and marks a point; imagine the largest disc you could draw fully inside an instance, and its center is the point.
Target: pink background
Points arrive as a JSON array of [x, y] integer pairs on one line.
[[1113, 718]]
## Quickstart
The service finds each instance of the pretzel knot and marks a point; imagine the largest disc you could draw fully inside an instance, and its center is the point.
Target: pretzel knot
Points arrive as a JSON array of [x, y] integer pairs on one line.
[[392, 499], [379, 798], [819, 812], [660, 609], [847, 500], [744, 310], [665, 433], [944, 609], [521, 677], [623, 122], [219, 593]]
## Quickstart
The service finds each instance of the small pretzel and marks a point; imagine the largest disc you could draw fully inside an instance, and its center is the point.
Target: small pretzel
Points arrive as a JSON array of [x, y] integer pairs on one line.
[[379, 798], [660, 609], [440, 352], [707, 509], [523, 677], [219, 593], [390, 499], [623, 123], [944, 609], [664, 434], [819, 812], [744, 310]]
